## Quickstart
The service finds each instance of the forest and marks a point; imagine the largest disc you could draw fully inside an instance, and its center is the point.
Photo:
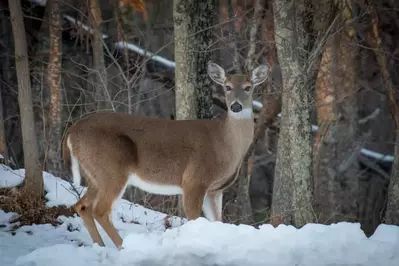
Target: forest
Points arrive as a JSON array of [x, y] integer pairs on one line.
[[325, 147]]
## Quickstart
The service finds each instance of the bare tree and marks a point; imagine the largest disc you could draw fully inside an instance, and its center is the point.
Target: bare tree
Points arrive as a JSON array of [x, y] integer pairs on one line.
[[336, 169], [374, 40], [185, 61], [292, 192], [244, 207], [204, 19], [33, 170], [100, 73], [193, 37], [3, 142], [54, 165], [5, 73], [392, 212]]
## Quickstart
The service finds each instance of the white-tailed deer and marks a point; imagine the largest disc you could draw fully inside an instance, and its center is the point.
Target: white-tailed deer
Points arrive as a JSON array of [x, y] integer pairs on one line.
[[195, 158]]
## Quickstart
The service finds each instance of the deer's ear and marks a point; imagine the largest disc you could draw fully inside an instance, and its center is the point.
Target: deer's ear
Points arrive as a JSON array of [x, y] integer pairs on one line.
[[259, 74], [216, 73]]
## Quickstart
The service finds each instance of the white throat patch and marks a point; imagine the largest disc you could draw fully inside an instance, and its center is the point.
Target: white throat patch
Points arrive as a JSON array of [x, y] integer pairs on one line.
[[245, 113]]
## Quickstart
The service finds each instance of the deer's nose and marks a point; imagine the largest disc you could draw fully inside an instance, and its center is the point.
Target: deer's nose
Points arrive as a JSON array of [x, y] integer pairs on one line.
[[236, 107]]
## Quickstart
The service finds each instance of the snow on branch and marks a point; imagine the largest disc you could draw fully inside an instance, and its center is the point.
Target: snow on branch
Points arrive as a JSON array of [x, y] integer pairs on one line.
[[257, 104], [39, 2], [143, 52], [376, 155], [80, 24]]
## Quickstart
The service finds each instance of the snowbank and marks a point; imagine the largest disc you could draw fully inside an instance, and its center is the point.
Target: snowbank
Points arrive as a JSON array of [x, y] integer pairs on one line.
[[199, 242], [9, 177]]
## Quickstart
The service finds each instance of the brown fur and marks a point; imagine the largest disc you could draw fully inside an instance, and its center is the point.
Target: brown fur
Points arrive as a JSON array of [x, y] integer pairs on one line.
[[199, 157]]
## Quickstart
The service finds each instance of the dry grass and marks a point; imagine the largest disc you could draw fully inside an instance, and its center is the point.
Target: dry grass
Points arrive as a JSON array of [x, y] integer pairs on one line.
[[30, 211]]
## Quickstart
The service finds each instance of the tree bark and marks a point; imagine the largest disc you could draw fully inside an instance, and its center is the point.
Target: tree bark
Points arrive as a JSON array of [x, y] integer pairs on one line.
[[335, 169], [292, 190], [54, 165], [100, 72], [392, 212], [374, 40], [3, 142], [6, 76], [193, 39], [234, 34], [183, 15], [40, 90], [204, 18], [244, 208], [33, 171]]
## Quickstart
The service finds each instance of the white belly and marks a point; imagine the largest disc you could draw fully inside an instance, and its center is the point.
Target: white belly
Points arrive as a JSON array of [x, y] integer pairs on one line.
[[168, 190]]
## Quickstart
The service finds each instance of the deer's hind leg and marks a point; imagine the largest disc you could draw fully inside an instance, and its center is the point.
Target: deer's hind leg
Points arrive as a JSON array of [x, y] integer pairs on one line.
[[112, 180], [108, 174], [84, 207], [102, 214]]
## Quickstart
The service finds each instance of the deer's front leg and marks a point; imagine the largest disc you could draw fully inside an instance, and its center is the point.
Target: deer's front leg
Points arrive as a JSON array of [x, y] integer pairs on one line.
[[193, 197], [212, 206]]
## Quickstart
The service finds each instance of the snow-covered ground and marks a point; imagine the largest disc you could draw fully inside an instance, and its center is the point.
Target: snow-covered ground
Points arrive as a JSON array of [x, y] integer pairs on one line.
[[199, 242]]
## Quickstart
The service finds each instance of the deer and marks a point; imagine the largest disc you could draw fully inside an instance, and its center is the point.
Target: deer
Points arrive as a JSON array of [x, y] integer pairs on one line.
[[196, 159]]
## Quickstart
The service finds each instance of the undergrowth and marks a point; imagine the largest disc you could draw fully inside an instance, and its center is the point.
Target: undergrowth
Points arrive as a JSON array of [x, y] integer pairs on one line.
[[30, 211]]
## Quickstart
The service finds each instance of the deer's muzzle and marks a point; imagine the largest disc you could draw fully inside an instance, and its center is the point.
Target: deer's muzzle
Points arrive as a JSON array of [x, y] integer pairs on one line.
[[236, 107]]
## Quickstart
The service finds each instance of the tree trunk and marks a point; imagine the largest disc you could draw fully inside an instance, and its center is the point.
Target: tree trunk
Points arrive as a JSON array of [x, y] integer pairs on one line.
[[392, 212], [33, 171], [100, 72], [3, 142], [374, 40], [244, 208], [234, 14], [184, 14], [292, 190], [335, 165], [6, 74], [204, 18], [54, 165], [193, 36], [40, 90]]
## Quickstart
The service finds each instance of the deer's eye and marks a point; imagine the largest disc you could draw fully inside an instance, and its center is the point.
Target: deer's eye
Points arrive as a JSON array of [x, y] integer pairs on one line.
[[247, 88], [228, 88]]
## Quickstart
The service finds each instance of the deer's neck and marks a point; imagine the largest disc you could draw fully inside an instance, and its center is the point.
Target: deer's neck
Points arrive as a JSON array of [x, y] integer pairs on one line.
[[239, 130]]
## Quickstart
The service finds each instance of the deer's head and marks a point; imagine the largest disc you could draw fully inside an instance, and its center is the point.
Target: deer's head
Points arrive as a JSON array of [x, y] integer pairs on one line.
[[238, 88]]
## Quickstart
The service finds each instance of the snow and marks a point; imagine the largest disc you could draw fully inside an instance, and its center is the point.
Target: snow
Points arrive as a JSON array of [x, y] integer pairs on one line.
[[377, 156], [39, 2], [199, 242], [257, 104], [9, 177]]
